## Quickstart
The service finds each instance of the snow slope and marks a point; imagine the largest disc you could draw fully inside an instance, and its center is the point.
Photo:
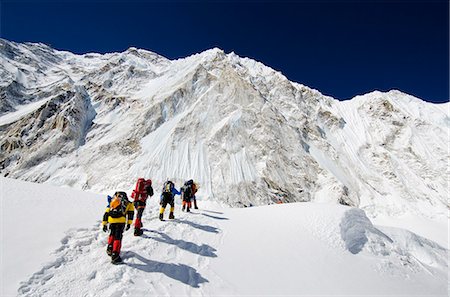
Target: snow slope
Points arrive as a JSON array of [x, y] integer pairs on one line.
[[300, 249], [34, 221]]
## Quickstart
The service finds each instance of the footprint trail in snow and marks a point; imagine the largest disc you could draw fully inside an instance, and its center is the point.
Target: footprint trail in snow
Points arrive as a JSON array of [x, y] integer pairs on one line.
[[171, 257]]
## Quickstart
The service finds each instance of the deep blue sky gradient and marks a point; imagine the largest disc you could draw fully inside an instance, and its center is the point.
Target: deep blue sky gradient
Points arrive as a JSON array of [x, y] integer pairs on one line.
[[341, 48]]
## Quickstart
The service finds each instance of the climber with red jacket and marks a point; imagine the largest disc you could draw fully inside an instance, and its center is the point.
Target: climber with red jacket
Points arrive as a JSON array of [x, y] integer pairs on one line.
[[118, 213], [140, 194]]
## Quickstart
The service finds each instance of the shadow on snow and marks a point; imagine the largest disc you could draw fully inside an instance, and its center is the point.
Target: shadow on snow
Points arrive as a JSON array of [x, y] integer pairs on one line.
[[202, 250], [214, 217], [179, 272], [216, 212], [198, 226]]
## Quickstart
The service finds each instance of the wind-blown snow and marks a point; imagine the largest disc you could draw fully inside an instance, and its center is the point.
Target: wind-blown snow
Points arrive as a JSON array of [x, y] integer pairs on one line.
[[289, 249]]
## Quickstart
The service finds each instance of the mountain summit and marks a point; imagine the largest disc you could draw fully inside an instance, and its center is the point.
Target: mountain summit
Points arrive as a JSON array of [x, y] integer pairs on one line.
[[246, 133]]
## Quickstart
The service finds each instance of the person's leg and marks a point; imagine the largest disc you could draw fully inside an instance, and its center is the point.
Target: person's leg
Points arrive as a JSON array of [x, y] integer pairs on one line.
[[137, 221], [172, 209], [189, 206], [161, 210], [109, 248], [117, 244], [140, 206], [195, 203]]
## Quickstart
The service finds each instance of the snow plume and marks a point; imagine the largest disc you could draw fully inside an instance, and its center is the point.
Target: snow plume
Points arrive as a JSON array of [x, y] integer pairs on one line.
[[246, 133]]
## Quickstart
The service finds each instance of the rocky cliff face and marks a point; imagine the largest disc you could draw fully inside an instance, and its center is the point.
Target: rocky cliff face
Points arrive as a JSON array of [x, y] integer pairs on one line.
[[244, 131]]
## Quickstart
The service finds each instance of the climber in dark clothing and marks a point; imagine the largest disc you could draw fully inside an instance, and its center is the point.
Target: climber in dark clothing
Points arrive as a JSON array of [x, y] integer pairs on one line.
[[188, 194], [167, 197]]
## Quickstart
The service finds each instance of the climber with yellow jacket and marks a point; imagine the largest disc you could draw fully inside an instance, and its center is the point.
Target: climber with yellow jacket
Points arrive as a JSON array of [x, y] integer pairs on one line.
[[119, 215]]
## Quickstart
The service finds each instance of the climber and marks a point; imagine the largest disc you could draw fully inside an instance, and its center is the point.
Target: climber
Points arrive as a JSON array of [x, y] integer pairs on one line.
[[140, 194], [187, 194], [119, 212], [167, 197]]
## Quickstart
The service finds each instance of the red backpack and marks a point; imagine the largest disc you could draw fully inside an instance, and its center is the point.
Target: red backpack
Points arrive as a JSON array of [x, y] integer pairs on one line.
[[139, 193]]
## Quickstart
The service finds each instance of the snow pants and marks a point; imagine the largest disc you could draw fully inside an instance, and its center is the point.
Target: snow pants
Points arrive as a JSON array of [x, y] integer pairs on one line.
[[115, 238], [186, 203], [139, 205], [167, 200]]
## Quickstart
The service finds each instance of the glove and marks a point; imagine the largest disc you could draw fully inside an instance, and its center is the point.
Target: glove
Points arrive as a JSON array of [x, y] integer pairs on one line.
[[105, 228], [127, 227]]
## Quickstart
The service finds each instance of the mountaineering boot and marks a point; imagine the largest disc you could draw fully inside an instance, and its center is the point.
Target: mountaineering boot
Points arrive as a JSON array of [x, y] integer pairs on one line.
[[161, 213], [184, 206], [171, 216], [109, 249], [138, 232], [115, 258]]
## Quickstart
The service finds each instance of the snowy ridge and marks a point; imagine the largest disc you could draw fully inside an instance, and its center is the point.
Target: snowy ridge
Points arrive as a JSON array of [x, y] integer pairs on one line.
[[243, 130], [332, 249]]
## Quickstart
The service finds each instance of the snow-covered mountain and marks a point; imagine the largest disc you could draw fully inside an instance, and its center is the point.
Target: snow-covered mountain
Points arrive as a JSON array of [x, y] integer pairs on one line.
[[244, 131], [250, 137]]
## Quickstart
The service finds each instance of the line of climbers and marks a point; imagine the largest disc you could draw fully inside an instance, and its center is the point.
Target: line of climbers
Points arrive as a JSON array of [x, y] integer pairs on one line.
[[120, 211]]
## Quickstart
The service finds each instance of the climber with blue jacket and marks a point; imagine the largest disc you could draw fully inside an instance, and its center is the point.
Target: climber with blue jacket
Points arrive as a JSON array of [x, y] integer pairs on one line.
[[168, 197]]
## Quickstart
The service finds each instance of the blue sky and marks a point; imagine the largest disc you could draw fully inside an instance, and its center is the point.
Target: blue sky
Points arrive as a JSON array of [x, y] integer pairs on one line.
[[341, 48]]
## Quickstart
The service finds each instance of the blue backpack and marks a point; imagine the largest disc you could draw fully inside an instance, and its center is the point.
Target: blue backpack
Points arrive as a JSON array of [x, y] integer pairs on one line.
[[109, 200]]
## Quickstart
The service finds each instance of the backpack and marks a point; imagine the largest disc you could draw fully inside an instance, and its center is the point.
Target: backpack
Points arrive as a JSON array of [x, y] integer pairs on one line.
[[118, 205], [192, 187], [168, 187], [186, 191], [140, 192], [148, 187], [109, 198]]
